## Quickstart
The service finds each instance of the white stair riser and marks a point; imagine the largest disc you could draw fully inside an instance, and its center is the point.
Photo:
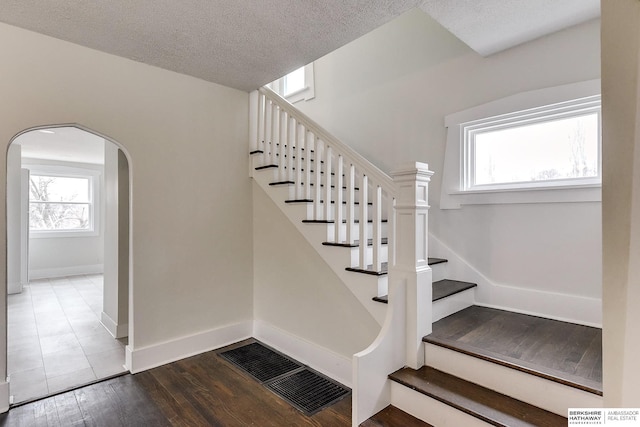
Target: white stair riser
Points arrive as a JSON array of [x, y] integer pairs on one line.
[[439, 271], [452, 304], [549, 395], [430, 410]]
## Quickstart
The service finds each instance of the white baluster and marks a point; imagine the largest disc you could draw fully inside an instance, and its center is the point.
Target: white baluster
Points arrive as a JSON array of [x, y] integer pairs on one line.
[[363, 222], [282, 148], [351, 211], [299, 138], [308, 148], [328, 206], [391, 230], [338, 234], [268, 131], [317, 183], [275, 111], [292, 124], [376, 234]]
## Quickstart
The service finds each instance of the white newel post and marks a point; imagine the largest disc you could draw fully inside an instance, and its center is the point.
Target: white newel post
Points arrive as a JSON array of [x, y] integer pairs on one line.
[[412, 266]]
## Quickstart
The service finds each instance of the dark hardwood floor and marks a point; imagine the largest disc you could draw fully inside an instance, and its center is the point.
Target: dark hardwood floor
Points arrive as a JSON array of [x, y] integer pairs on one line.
[[203, 390], [564, 352]]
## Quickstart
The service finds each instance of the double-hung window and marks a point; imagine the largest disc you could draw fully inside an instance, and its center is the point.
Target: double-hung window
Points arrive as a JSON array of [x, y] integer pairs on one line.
[[63, 203]]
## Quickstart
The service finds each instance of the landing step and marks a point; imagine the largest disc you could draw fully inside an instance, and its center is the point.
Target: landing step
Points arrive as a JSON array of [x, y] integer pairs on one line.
[[480, 402], [562, 352], [393, 417], [445, 288], [355, 244], [442, 288]]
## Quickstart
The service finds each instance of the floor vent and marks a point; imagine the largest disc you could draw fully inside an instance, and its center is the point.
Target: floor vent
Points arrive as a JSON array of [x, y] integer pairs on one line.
[[299, 385], [308, 391], [260, 362]]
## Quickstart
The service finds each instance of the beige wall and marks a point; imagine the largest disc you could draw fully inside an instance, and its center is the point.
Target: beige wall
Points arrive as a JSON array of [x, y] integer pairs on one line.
[[186, 144], [296, 291], [386, 95], [621, 201]]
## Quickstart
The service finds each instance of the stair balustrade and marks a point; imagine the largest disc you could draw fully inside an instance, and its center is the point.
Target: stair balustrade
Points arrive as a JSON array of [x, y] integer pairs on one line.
[[344, 188]]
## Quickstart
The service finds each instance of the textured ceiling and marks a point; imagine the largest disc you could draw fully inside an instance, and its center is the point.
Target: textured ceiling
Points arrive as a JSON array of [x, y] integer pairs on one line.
[[489, 26], [238, 43], [247, 43]]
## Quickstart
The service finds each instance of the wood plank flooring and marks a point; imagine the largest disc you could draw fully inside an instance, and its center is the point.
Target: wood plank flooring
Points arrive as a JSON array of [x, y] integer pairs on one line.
[[564, 352], [203, 390]]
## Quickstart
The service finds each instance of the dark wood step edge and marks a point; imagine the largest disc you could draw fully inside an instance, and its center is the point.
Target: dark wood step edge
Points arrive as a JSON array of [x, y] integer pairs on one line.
[[384, 299], [456, 286], [355, 244], [392, 416], [480, 402], [512, 365]]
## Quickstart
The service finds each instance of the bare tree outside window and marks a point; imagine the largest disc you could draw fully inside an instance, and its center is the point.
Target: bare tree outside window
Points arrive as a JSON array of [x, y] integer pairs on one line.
[[59, 203]]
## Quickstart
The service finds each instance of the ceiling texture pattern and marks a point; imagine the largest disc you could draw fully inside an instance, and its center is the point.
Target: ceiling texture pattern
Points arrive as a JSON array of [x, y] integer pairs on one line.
[[245, 44]]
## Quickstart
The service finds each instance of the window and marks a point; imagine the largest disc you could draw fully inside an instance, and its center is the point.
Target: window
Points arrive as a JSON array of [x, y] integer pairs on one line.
[[296, 86], [548, 146], [542, 146], [62, 204]]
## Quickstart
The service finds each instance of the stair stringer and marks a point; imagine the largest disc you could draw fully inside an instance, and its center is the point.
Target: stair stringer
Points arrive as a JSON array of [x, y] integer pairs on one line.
[[362, 286]]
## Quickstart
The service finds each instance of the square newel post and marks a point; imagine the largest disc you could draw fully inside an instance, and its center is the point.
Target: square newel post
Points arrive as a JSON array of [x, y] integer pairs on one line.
[[411, 254]]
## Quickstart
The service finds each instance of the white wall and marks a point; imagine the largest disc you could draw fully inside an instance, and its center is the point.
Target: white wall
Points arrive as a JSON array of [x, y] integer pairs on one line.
[[296, 291], [14, 211], [185, 140], [387, 93], [621, 201], [66, 256]]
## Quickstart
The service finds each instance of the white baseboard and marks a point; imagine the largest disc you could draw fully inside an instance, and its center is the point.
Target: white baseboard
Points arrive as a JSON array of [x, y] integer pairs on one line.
[[325, 361], [552, 305], [76, 270], [115, 329], [141, 359], [4, 397]]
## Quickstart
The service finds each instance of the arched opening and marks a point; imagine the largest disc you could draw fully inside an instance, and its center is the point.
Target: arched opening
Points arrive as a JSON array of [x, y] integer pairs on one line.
[[68, 239]]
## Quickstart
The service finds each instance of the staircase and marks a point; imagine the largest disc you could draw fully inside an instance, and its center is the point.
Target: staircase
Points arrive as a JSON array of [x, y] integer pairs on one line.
[[371, 229]]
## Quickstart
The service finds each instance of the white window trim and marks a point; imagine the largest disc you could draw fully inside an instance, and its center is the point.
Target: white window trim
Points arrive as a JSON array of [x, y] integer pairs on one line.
[[454, 194], [306, 93], [75, 172]]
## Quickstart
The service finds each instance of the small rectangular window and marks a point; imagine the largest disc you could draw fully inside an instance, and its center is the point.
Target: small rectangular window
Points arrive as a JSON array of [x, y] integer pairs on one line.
[[294, 81], [60, 203], [546, 147], [296, 86]]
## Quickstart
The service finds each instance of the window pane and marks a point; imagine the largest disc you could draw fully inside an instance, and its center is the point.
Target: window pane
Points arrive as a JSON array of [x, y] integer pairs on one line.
[[557, 149], [294, 81], [59, 189], [59, 216]]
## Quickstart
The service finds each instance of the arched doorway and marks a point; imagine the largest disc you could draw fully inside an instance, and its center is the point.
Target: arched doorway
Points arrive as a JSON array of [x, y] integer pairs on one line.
[[68, 260]]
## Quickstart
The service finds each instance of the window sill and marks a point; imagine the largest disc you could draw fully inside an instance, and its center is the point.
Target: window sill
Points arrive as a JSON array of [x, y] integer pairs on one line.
[[61, 234], [559, 194]]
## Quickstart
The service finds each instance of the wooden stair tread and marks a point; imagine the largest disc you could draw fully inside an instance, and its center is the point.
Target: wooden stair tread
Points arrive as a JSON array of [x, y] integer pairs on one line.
[[344, 221], [355, 244], [488, 405], [384, 269], [557, 351], [432, 261], [393, 417], [445, 288]]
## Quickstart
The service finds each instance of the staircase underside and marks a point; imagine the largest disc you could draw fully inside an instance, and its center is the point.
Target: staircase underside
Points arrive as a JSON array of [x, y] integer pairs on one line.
[[563, 352]]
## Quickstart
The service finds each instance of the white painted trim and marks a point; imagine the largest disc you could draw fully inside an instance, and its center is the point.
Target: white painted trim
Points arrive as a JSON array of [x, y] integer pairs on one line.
[[141, 359], [540, 392], [430, 410], [323, 360], [116, 330], [4, 396], [451, 196], [552, 305], [76, 270], [453, 304]]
